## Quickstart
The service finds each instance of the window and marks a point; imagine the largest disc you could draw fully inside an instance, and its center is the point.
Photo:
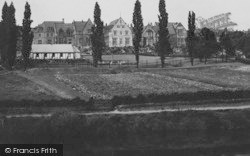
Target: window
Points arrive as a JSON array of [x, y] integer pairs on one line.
[[69, 41], [47, 34], [120, 32], [180, 32], [45, 55], [61, 54], [118, 26], [40, 42], [39, 35], [37, 55], [126, 32], [89, 31], [49, 41], [115, 32], [69, 55], [123, 26], [127, 41], [53, 55], [114, 41], [120, 41]]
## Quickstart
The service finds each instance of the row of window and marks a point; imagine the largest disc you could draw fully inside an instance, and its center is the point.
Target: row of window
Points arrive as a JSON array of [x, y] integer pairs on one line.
[[120, 26], [115, 41], [45, 55], [115, 32]]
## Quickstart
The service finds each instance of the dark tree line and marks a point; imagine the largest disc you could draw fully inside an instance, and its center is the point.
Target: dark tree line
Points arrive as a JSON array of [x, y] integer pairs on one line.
[[9, 36]]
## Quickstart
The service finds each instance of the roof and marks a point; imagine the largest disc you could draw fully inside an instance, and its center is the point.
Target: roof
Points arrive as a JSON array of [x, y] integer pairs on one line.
[[63, 26], [54, 48], [79, 25]]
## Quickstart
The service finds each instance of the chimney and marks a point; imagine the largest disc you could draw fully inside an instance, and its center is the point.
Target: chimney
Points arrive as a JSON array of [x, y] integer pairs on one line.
[[63, 20]]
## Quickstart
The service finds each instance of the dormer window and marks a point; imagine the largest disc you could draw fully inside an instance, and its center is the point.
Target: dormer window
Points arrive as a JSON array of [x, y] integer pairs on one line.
[[118, 26]]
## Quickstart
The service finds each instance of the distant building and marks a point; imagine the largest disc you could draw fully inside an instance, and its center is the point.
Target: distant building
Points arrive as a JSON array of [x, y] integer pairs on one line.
[[177, 35], [118, 34], [219, 22], [57, 32], [54, 51]]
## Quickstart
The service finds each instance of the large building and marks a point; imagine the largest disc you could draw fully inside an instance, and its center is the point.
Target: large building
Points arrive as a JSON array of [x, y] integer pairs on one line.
[[57, 32], [219, 22], [118, 34], [177, 35]]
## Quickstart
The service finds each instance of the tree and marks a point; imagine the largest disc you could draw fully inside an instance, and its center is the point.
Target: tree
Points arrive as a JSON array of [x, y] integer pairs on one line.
[[191, 36], [97, 37], [27, 35], [209, 43], [226, 44], [11, 56], [3, 36], [137, 29], [9, 36], [164, 44]]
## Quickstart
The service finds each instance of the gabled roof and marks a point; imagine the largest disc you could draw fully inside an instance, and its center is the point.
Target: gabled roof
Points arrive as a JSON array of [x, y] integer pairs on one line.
[[79, 25], [63, 26], [114, 22], [53, 48]]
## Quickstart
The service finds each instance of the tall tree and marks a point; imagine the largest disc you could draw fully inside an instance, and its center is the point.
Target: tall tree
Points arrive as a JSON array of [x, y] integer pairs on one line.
[[226, 44], [191, 36], [164, 44], [3, 36], [27, 35], [97, 37], [12, 36], [209, 43], [137, 30]]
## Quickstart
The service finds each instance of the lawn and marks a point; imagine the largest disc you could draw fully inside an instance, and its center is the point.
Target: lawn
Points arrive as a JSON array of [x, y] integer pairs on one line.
[[106, 86], [234, 77], [14, 87]]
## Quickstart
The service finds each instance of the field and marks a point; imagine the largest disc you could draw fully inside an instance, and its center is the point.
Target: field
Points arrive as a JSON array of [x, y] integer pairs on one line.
[[106, 83]]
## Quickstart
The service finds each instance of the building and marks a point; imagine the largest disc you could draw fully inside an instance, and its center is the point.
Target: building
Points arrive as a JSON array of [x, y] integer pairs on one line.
[[219, 22], [54, 51], [76, 33], [177, 35], [118, 34]]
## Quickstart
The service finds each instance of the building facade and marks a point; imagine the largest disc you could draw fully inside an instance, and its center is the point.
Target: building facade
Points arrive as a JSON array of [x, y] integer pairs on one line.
[[118, 34], [76, 33], [54, 52], [177, 35]]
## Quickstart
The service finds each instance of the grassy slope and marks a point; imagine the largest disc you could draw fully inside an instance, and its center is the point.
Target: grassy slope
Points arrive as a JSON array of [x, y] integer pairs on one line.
[[14, 87]]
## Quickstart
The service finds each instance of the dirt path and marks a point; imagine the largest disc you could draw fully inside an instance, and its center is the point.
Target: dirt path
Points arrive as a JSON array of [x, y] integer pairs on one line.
[[127, 112], [55, 90]]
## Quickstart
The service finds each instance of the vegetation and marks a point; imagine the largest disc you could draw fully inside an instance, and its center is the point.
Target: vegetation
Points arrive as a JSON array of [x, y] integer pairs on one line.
[[97, 37], [164, 44], [226, 44], [27, 36], [8, 36], [191, 36], [137, 30], [172, 130]]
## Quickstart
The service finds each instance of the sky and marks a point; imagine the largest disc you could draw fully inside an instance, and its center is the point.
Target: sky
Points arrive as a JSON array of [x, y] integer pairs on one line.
[[69, 10]]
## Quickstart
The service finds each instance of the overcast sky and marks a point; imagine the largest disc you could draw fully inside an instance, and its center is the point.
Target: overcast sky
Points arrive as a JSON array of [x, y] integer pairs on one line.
[[56, 10]]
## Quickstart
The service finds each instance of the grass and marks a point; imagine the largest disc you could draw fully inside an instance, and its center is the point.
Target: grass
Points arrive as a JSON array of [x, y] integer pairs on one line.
[[227, 77], [18, 88], [172, 130]]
